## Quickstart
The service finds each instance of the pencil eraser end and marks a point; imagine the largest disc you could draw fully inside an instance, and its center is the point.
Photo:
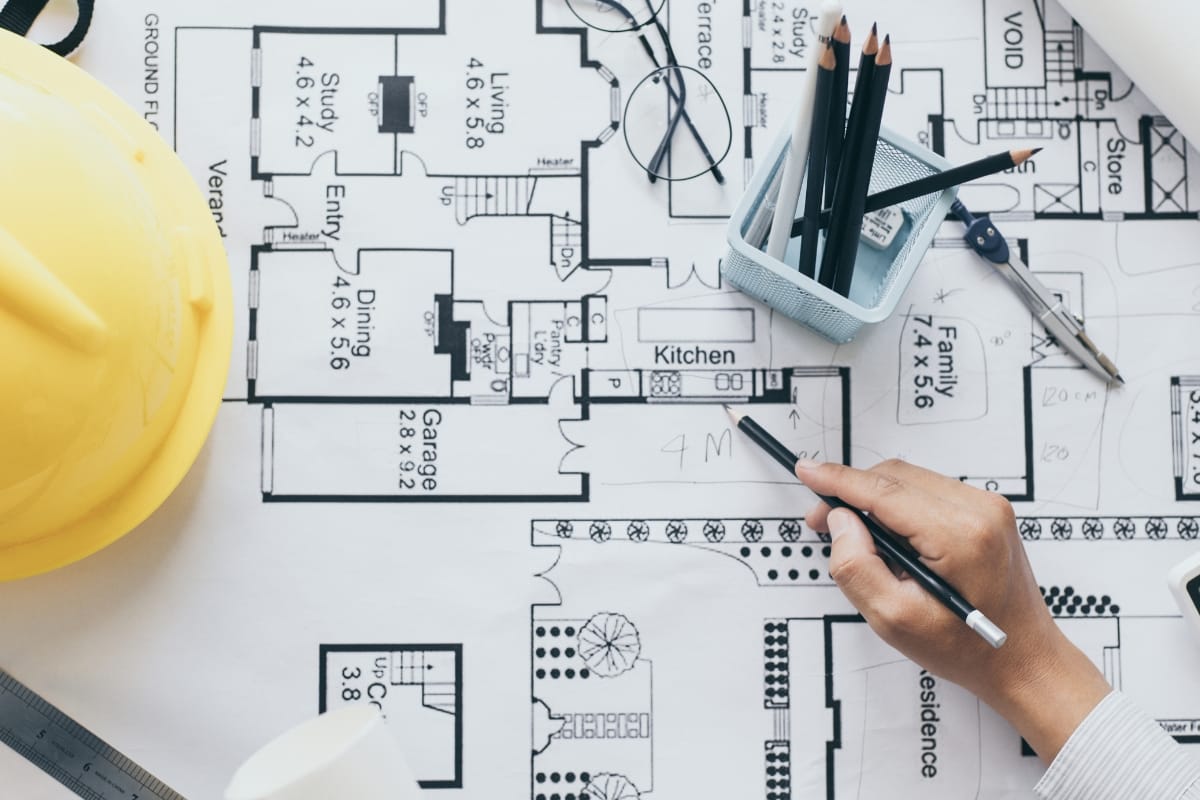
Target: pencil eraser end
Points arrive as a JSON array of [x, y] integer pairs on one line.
[[988, 630]]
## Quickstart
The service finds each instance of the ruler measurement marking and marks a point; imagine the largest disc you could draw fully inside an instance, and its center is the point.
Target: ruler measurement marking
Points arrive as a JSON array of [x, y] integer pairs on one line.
[[60, 732], [9, 737]]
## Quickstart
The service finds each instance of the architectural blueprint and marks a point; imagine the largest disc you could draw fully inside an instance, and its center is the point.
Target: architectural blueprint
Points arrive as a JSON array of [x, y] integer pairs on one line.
[[473, 467]]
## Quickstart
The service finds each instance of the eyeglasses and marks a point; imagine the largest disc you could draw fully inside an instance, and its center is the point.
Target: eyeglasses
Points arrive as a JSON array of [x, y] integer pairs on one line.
[[669, 95]]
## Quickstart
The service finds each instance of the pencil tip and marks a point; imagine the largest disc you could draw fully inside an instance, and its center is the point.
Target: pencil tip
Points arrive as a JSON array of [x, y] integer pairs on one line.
[[1021, 156], [884, 58], [1120, 379], [733, 415], [874, 28], [871, 45], [828, 60], [844, 20]]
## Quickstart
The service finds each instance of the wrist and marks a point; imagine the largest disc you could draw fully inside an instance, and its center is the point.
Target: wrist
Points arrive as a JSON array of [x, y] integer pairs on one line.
[[1049, 693]]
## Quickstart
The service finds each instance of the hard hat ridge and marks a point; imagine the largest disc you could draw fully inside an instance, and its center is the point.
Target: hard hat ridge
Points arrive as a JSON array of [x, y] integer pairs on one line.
[[115, 314], [32, 292]]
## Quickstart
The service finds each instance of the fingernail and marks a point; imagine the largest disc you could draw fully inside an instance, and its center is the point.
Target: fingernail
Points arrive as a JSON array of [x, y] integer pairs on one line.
[[838, 524], [807, 463]]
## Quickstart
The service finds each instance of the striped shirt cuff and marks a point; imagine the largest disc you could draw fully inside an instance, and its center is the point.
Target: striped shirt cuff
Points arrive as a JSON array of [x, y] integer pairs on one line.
[[1119, 753]]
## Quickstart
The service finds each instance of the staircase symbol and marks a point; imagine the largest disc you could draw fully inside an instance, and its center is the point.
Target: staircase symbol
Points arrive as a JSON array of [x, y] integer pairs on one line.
[[492, 196], [1060, 56], [566, 245], [440, 697], [410, 668], [1017, 103], [1035, 102]]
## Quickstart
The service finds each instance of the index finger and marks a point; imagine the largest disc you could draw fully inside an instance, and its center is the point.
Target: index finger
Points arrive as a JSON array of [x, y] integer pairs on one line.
[[891, 496]]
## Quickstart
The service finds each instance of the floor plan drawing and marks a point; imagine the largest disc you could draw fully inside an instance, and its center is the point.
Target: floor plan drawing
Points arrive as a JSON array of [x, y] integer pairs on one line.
[[417, 688], [594, 322], [474, 422], [966, 748], [819, 715]]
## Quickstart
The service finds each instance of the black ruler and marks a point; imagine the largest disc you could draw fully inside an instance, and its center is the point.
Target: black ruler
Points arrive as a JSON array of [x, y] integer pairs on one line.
[[69, 752]]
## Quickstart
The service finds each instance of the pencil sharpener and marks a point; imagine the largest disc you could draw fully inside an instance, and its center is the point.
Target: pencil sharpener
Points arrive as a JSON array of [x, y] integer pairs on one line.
[[1184, 583], [881, 273]]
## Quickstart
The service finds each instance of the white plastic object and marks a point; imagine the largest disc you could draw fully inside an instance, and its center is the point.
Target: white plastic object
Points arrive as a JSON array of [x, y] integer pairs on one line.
[[1184, 583], [880, 228], [346, 753]]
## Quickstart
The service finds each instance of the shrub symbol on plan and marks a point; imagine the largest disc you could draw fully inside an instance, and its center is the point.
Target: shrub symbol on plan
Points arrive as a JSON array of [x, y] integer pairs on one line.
[[609, 644], [612, 787], [752, 530]]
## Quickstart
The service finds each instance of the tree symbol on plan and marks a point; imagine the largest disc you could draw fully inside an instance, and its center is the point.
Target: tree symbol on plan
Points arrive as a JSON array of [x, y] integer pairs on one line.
[[610, 787], [1188, 528], [609, 644], [752, 530], [1030, 529], [600, 531], [1061, 528], [790, 530], [676, 530], [1124, 528]]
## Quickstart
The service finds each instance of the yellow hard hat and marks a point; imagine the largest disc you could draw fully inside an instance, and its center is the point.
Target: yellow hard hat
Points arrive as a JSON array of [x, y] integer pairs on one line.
[[115, 314]]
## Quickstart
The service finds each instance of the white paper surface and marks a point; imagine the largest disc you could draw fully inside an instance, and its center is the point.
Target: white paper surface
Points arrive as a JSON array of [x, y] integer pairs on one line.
[[550, 338]]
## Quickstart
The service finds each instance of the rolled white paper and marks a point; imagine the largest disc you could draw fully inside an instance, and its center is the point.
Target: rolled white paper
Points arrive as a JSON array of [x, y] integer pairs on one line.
[[347, 753], [1153, 41]]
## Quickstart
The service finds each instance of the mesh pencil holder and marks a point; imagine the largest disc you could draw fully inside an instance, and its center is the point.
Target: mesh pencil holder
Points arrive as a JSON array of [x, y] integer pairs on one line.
[[880, 276]]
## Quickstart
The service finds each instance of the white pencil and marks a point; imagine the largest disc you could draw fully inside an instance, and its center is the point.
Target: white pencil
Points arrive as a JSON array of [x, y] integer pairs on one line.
[[793, 168]]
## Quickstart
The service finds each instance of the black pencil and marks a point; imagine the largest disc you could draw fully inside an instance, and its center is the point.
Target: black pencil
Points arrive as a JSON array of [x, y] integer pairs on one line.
[[849, 156], [860, 176], [938, 182], [837, 107], [818, 149], [888, 543]]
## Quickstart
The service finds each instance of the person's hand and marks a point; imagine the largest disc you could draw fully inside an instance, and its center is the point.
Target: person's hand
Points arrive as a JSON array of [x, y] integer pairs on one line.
[[1038, 679]]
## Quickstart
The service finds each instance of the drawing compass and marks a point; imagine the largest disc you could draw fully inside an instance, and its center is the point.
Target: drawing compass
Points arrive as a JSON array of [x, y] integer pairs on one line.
[[1060, 323]]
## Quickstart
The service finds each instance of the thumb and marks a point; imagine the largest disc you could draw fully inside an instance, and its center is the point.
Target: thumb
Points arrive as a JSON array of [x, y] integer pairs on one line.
[[856, 566]]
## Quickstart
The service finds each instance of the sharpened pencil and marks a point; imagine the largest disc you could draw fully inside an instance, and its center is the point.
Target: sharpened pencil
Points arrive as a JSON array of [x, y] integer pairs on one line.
[[850, 148], [860, 175], [837, 107], [817, 153], [887, 542], [787, 202], [938, 182]]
